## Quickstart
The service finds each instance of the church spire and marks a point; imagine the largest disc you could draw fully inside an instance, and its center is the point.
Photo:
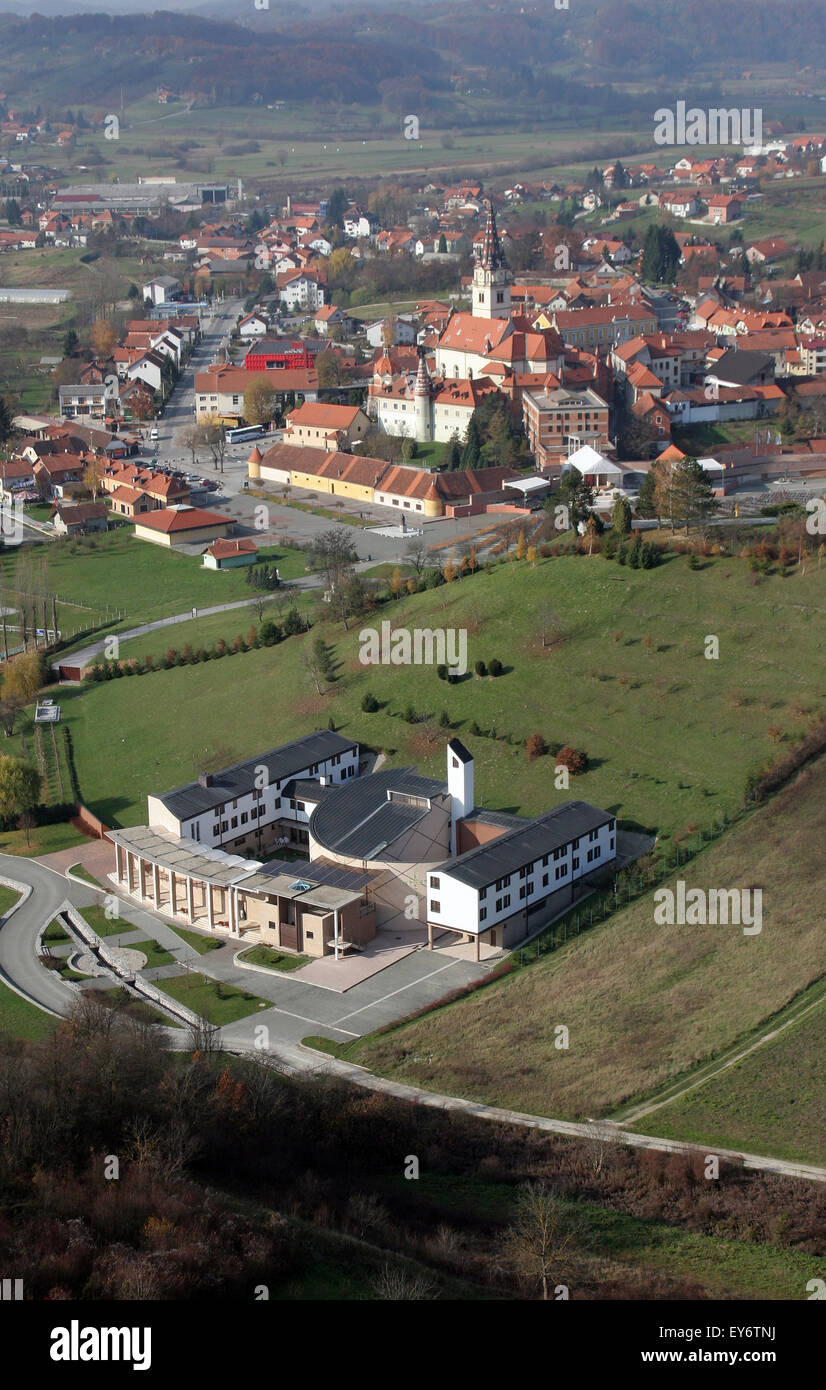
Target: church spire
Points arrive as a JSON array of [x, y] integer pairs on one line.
[[493, 257], [422, 387]]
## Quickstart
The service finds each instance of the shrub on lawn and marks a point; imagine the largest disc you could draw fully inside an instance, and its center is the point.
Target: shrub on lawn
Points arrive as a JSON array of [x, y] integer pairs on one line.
[[270, 633], [495, 667], [480, 668], [369, 703], [574, 759], [535, 746]]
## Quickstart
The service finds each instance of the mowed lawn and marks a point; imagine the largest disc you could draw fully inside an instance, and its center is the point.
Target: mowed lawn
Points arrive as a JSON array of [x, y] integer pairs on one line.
[[774, 1101], [144, 580], [670, 735], [20, 1019], [217, 1002], [642, 1003]]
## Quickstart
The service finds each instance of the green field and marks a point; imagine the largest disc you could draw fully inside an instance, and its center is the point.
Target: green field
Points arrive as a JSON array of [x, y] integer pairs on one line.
[[42, 839], [646, 1003], [106, 926], [20, 1019], [8, 898], [154, 952], [143, 581], [206, 632], [671, 736], [216, 1002], [774, 1101]]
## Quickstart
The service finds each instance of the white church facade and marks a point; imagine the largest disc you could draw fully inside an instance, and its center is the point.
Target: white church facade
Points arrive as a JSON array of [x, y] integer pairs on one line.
[[478, 352]]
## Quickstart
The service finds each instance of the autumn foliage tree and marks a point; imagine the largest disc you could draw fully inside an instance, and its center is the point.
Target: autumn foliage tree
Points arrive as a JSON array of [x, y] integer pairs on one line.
[[102, 338]]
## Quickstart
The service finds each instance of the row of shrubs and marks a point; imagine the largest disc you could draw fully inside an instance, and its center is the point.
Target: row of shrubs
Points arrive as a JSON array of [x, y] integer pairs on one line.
[[493, 668], [269, 634]]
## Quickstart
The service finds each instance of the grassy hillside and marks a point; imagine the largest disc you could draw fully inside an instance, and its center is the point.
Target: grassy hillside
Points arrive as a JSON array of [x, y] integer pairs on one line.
[[670, 735], [774, 1101], [644, 1003]]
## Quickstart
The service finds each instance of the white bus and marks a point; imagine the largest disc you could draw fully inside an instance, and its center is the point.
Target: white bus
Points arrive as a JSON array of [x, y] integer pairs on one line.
[[237, 436]]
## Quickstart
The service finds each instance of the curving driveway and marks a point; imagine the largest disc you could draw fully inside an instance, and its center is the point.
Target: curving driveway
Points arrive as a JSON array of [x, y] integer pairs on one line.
[[285, 1026], [48, 892]]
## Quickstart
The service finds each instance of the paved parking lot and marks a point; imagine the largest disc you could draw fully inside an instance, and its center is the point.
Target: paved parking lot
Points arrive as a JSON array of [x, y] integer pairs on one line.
[[300, 1009]]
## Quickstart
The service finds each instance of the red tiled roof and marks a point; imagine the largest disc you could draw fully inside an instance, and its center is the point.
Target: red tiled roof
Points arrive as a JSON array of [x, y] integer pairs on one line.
[[169, 520], [222, 549]]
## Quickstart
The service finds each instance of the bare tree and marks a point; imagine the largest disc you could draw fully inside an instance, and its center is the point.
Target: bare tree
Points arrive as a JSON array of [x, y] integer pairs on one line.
[[399, 1284], [205, 1037], [542, 1236], [416, 553]]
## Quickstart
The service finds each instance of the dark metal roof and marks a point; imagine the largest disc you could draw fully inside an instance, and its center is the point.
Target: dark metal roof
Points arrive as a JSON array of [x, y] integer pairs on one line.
[[458, 748], [506, 819], [319, 871], [192, 799], [741, 365], [306, 789], [360, 819], [486, 863]]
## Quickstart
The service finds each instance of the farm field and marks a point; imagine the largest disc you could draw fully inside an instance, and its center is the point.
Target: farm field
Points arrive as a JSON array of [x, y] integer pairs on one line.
[[645, 1003], [671, 737]]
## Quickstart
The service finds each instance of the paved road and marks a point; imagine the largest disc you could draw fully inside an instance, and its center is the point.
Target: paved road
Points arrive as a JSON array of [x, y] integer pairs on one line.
[[296, 1008], [19, 965], [282, 521], [299, 1009]]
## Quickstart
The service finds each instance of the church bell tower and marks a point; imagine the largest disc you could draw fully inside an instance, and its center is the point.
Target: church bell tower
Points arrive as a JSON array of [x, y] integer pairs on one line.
[[492, 278]]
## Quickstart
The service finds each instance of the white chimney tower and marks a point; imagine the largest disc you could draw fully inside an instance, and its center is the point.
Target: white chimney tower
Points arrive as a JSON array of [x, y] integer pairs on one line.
[[459, 785]]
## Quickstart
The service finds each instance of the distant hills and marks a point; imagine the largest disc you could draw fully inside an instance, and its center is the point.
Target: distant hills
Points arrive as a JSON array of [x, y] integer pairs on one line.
[[429, 56]]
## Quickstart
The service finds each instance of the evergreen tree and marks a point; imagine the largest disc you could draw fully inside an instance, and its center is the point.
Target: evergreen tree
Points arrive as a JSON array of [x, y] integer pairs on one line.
[[453, 458], [575, 494], [336, 207], [5, 420], [473, 444], [660, 257], [694, 499], [621, 517], [646, 501]]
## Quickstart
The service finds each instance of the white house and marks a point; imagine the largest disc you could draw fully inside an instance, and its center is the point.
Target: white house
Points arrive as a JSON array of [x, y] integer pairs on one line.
[[503, 889], [162, 289], [358, 225], [253, 325], [301, 290], [404, 331], [148, 368]]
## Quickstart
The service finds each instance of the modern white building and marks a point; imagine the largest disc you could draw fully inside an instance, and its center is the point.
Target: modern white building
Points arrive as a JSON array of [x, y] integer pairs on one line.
[[245, 806], [392, 851], [505, 888]]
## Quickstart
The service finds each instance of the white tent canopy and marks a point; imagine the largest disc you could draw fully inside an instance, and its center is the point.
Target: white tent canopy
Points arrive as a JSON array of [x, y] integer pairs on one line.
[[589, 460]]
